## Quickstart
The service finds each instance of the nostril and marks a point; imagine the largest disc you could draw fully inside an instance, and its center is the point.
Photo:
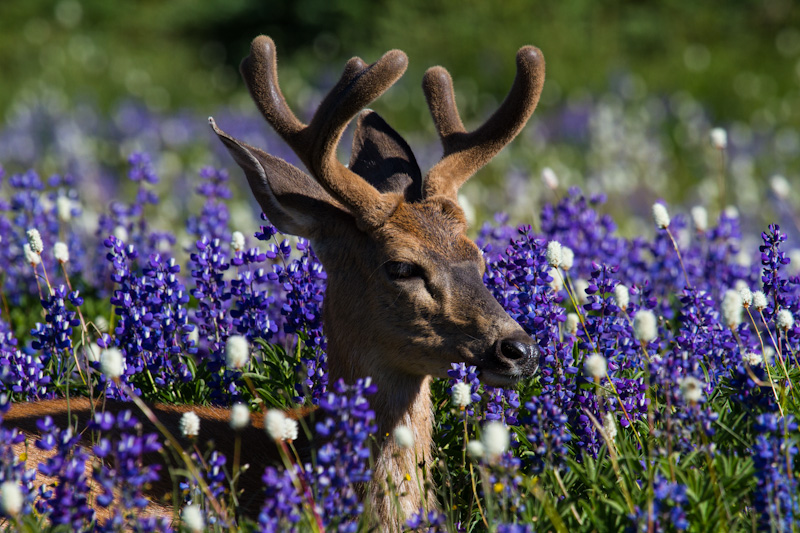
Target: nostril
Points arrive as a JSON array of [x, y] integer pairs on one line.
[[515, 350]]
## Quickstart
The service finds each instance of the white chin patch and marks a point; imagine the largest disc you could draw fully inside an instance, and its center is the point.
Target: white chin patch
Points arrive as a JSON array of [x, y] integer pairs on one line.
[[497, 380]]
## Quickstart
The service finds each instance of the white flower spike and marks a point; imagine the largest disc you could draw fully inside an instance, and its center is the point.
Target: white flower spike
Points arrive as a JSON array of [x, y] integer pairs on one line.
[[192, 517], [691, 389], [61, 252], [596, 366], [645, 326], [495, 439], [462, 394], [237, 352], [404, 437], [240, 417], [112, 364], [35, 240], [554, 254], [661, 216], [11, 498], [189, 424], [719, 138]]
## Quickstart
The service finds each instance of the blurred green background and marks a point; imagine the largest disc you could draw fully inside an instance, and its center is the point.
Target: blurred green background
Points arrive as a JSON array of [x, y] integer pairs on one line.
[[670, 69], [734, 55]]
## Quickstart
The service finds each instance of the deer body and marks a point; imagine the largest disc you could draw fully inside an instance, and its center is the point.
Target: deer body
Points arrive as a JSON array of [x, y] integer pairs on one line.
[[405, 297]]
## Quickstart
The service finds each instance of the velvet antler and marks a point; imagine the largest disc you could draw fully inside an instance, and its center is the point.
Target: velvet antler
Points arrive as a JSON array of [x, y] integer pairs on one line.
[[466, 152], [316, 142]]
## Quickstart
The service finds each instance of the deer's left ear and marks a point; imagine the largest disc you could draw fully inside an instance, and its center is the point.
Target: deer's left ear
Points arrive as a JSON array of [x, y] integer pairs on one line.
[[384, 159], [292, 200]]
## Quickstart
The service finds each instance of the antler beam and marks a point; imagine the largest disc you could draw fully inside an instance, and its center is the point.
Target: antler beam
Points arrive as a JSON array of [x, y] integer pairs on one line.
[[316, 142], [466, 152]]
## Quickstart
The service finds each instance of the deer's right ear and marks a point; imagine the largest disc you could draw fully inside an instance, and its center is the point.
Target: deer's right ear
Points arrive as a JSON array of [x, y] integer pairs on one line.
[[292, 200]]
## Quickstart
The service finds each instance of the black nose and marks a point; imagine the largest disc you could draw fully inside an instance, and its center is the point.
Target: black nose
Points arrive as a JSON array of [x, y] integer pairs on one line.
[[515, 350]]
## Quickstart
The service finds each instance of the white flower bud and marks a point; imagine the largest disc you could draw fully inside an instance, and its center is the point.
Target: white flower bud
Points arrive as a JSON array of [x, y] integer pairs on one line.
[[784, 319], [622, 296], [567, 258], [462, 394], [732, 308], [121, 233], [719, 138], [759, 300], [747, 296], [275, 424], [189, 424], [596, 366], [92, 352], [192, 517], [290, 429], [112, 363], [404, 437], [11, 498], [31, 257], [571, 325], [553, 254], [794, 259], [691, 389], [645, 325], [237, 241], [237, 352], [752, 358], [64, 208], [660, 216], [35, 240], [549, 178], [240, 416], [731, 211], [580, 285], [475, 449], [61, 252], [101, 323], [495, 438], [700, 217], [780, 186]]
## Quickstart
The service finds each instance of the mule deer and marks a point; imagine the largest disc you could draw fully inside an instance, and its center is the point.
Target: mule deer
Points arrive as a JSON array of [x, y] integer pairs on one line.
[[405, 297]]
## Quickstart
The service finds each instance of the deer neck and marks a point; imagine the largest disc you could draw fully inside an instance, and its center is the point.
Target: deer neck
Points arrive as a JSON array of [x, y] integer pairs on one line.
[[400, 400]]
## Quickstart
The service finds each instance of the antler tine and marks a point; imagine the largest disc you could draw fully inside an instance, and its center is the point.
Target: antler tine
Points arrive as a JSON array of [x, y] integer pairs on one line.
[[466, 152], [316, 143]]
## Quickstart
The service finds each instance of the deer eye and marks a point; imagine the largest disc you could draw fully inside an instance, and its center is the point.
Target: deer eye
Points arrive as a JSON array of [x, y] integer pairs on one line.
[[397, 270]]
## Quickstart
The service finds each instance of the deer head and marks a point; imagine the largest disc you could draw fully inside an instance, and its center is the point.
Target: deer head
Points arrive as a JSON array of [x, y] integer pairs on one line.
[[405, 295]]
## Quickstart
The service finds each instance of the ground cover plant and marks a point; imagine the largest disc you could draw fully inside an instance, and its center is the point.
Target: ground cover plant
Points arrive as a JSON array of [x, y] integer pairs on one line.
[[666, 398]]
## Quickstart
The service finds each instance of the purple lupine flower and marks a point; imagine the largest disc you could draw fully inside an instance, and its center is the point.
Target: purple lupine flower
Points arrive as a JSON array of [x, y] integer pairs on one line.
[[343, 461], [548, 433], [282, 510], [775, 499], [668, 513], [433, 521], [461, 373], [212, 223], [21, 374], [66, 502], [53, 339], [124, 474]]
